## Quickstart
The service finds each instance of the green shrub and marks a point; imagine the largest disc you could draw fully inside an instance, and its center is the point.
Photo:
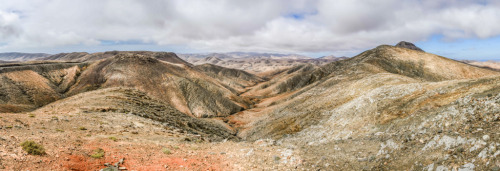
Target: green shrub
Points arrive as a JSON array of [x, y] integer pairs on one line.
[[98, 153], [166, 151], [59, 130], [113, 138], [33, 148], [31, 115], [82, 128]]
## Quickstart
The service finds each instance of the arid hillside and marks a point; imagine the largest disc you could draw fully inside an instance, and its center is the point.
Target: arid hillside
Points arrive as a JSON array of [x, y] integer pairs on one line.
[[86, 57], [388, 108], [164, 77], [27, 86], [236, 79]]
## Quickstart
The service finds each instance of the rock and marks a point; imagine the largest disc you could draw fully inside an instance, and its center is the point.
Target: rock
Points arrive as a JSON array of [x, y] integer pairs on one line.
[[122, 168], [467, 167], [441, 168], [408, 45], [121, 160], [486, 137], [110, 169], [249, 153]]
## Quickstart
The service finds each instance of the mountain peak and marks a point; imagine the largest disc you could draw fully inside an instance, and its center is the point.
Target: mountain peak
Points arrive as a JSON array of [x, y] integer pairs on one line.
[[408, 45]]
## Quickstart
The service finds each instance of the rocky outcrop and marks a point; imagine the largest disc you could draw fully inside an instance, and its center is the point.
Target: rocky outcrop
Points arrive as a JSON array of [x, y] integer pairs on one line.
[[408, 45]]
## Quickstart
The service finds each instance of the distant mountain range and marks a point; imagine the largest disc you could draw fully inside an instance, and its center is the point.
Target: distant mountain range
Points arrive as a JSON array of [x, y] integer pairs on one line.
[[17, 56], [256, 62]]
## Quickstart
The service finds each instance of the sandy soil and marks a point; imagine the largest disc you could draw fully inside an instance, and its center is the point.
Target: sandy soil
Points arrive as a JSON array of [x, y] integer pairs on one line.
[[140, 142]]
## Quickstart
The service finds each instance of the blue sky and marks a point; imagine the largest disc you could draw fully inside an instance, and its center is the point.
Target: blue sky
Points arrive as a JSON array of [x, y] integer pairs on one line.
[[473, 49], [458, 29]]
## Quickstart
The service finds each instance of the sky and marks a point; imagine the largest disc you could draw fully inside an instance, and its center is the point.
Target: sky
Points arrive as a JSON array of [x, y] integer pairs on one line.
[[459, 29]]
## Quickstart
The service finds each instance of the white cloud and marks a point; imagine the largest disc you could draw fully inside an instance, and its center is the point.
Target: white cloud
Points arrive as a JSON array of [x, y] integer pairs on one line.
[[8, 26], [241, 25]]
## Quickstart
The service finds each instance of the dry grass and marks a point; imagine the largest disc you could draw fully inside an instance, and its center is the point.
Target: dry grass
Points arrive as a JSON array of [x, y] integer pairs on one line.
[[33, 148]]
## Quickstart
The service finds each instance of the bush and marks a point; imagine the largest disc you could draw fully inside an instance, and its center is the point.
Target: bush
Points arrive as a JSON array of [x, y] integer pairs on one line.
[[31, 115], [82, 128], [59, 130], [33, 148], [98, 153], [113, 138], [166, 151]]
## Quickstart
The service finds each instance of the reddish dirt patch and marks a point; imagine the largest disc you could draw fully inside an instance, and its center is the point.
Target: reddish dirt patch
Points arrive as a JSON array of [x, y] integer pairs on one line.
[[142, 157], [80, 162]]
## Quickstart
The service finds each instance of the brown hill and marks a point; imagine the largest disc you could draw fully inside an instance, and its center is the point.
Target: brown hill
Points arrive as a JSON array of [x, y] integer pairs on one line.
[[236, 79], [28, 86], [177, 84], [86, 57], [386, 101], [129, 100]]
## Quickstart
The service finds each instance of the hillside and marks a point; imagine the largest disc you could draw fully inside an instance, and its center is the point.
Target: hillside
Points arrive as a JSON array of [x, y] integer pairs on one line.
[[24, 87], [86, 57], [385, 103], [236, 79], [164, 77], [388, 108]]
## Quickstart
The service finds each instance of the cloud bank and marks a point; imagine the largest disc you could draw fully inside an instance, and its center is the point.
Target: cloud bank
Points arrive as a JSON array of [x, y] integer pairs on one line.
[[289, 26]]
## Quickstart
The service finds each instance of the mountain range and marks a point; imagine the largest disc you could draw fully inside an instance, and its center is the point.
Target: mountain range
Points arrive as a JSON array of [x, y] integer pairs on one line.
[[388, 108]]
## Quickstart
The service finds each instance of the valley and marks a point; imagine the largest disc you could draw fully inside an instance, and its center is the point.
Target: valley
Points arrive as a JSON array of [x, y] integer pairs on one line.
[[388, 108]]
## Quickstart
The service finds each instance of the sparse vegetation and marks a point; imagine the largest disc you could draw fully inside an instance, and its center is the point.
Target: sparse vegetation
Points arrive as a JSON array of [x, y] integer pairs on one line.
[[350, 114], [113, 138], [8, 127], [31, 115], [98, 153], [33, 148], [166, 151]]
